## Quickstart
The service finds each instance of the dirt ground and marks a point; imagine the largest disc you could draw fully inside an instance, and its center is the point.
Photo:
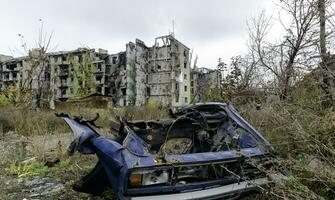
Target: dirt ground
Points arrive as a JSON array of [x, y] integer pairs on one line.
[[23, 173]]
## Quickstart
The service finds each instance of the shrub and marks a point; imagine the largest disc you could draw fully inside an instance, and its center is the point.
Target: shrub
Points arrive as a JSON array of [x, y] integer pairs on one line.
[[4, 101]]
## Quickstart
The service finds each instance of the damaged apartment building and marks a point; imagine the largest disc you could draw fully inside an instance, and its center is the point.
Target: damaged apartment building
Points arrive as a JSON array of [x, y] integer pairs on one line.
[[140, 74], [160, 73]]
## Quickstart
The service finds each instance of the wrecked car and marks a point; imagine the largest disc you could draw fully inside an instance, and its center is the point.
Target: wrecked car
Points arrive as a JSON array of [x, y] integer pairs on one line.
[[204, 151]]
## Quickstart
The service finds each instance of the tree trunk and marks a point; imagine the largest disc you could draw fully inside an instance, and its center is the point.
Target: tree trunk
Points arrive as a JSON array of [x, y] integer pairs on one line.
[[329, 102]]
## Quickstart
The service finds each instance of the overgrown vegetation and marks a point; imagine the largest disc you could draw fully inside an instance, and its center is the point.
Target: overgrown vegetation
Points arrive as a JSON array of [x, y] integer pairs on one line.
[[302, 132]]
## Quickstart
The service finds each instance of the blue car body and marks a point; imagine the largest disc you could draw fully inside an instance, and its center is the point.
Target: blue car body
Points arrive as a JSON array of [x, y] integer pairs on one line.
[[117, 161]]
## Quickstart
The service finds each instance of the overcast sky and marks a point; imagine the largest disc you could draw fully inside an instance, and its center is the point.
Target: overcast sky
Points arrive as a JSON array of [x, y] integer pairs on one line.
[[212, 28]]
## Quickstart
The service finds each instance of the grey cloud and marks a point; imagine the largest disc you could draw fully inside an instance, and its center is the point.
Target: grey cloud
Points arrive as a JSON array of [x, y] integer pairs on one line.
[[110, 23]]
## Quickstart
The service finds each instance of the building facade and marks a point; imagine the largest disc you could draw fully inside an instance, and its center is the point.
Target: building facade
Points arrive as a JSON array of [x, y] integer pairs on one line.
[[160, 73]]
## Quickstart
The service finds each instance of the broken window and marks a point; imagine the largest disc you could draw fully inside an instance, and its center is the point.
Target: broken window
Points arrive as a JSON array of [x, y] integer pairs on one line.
[[99, 67], [108, 69], [64, 58], [185, 88], [98, 90], [80, 58], [114, 60], [11, 67], [177, 99], [63, 92], [107, 90], [63, 70], [185, 76], [123, 91], [176, 86], [159, 67], [186, 100], [98, 79], [185, 65], [148, 90]]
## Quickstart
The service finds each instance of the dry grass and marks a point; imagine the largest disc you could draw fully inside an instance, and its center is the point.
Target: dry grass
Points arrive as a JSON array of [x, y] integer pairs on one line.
[[28, 122], [27, 133], [304, 140]]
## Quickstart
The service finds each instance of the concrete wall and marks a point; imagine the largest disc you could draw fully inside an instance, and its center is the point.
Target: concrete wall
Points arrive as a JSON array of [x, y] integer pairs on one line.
[[141, 65]]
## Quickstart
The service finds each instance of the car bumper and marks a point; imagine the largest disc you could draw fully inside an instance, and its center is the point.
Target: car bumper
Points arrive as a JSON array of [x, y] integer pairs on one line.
[[228, 191]]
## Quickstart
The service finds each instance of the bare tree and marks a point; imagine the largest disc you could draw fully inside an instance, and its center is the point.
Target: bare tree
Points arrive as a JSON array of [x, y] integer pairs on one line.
[[36, 80], [287, 57]]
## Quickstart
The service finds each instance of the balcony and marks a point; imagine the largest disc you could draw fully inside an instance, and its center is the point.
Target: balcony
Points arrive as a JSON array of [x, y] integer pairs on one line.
[[10, 80], [10, 69], [8, 77], [63, 85]]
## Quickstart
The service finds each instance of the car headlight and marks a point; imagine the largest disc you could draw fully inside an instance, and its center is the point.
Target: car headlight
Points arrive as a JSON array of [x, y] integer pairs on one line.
[[149, 177]]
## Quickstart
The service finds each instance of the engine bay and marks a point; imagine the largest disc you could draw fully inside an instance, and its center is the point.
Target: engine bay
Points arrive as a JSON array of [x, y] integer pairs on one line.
[[205, 129]]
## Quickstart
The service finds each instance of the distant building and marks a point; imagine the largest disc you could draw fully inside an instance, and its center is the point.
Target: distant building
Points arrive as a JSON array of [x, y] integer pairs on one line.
[[12, 72], [160, 73], [202, 80]]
